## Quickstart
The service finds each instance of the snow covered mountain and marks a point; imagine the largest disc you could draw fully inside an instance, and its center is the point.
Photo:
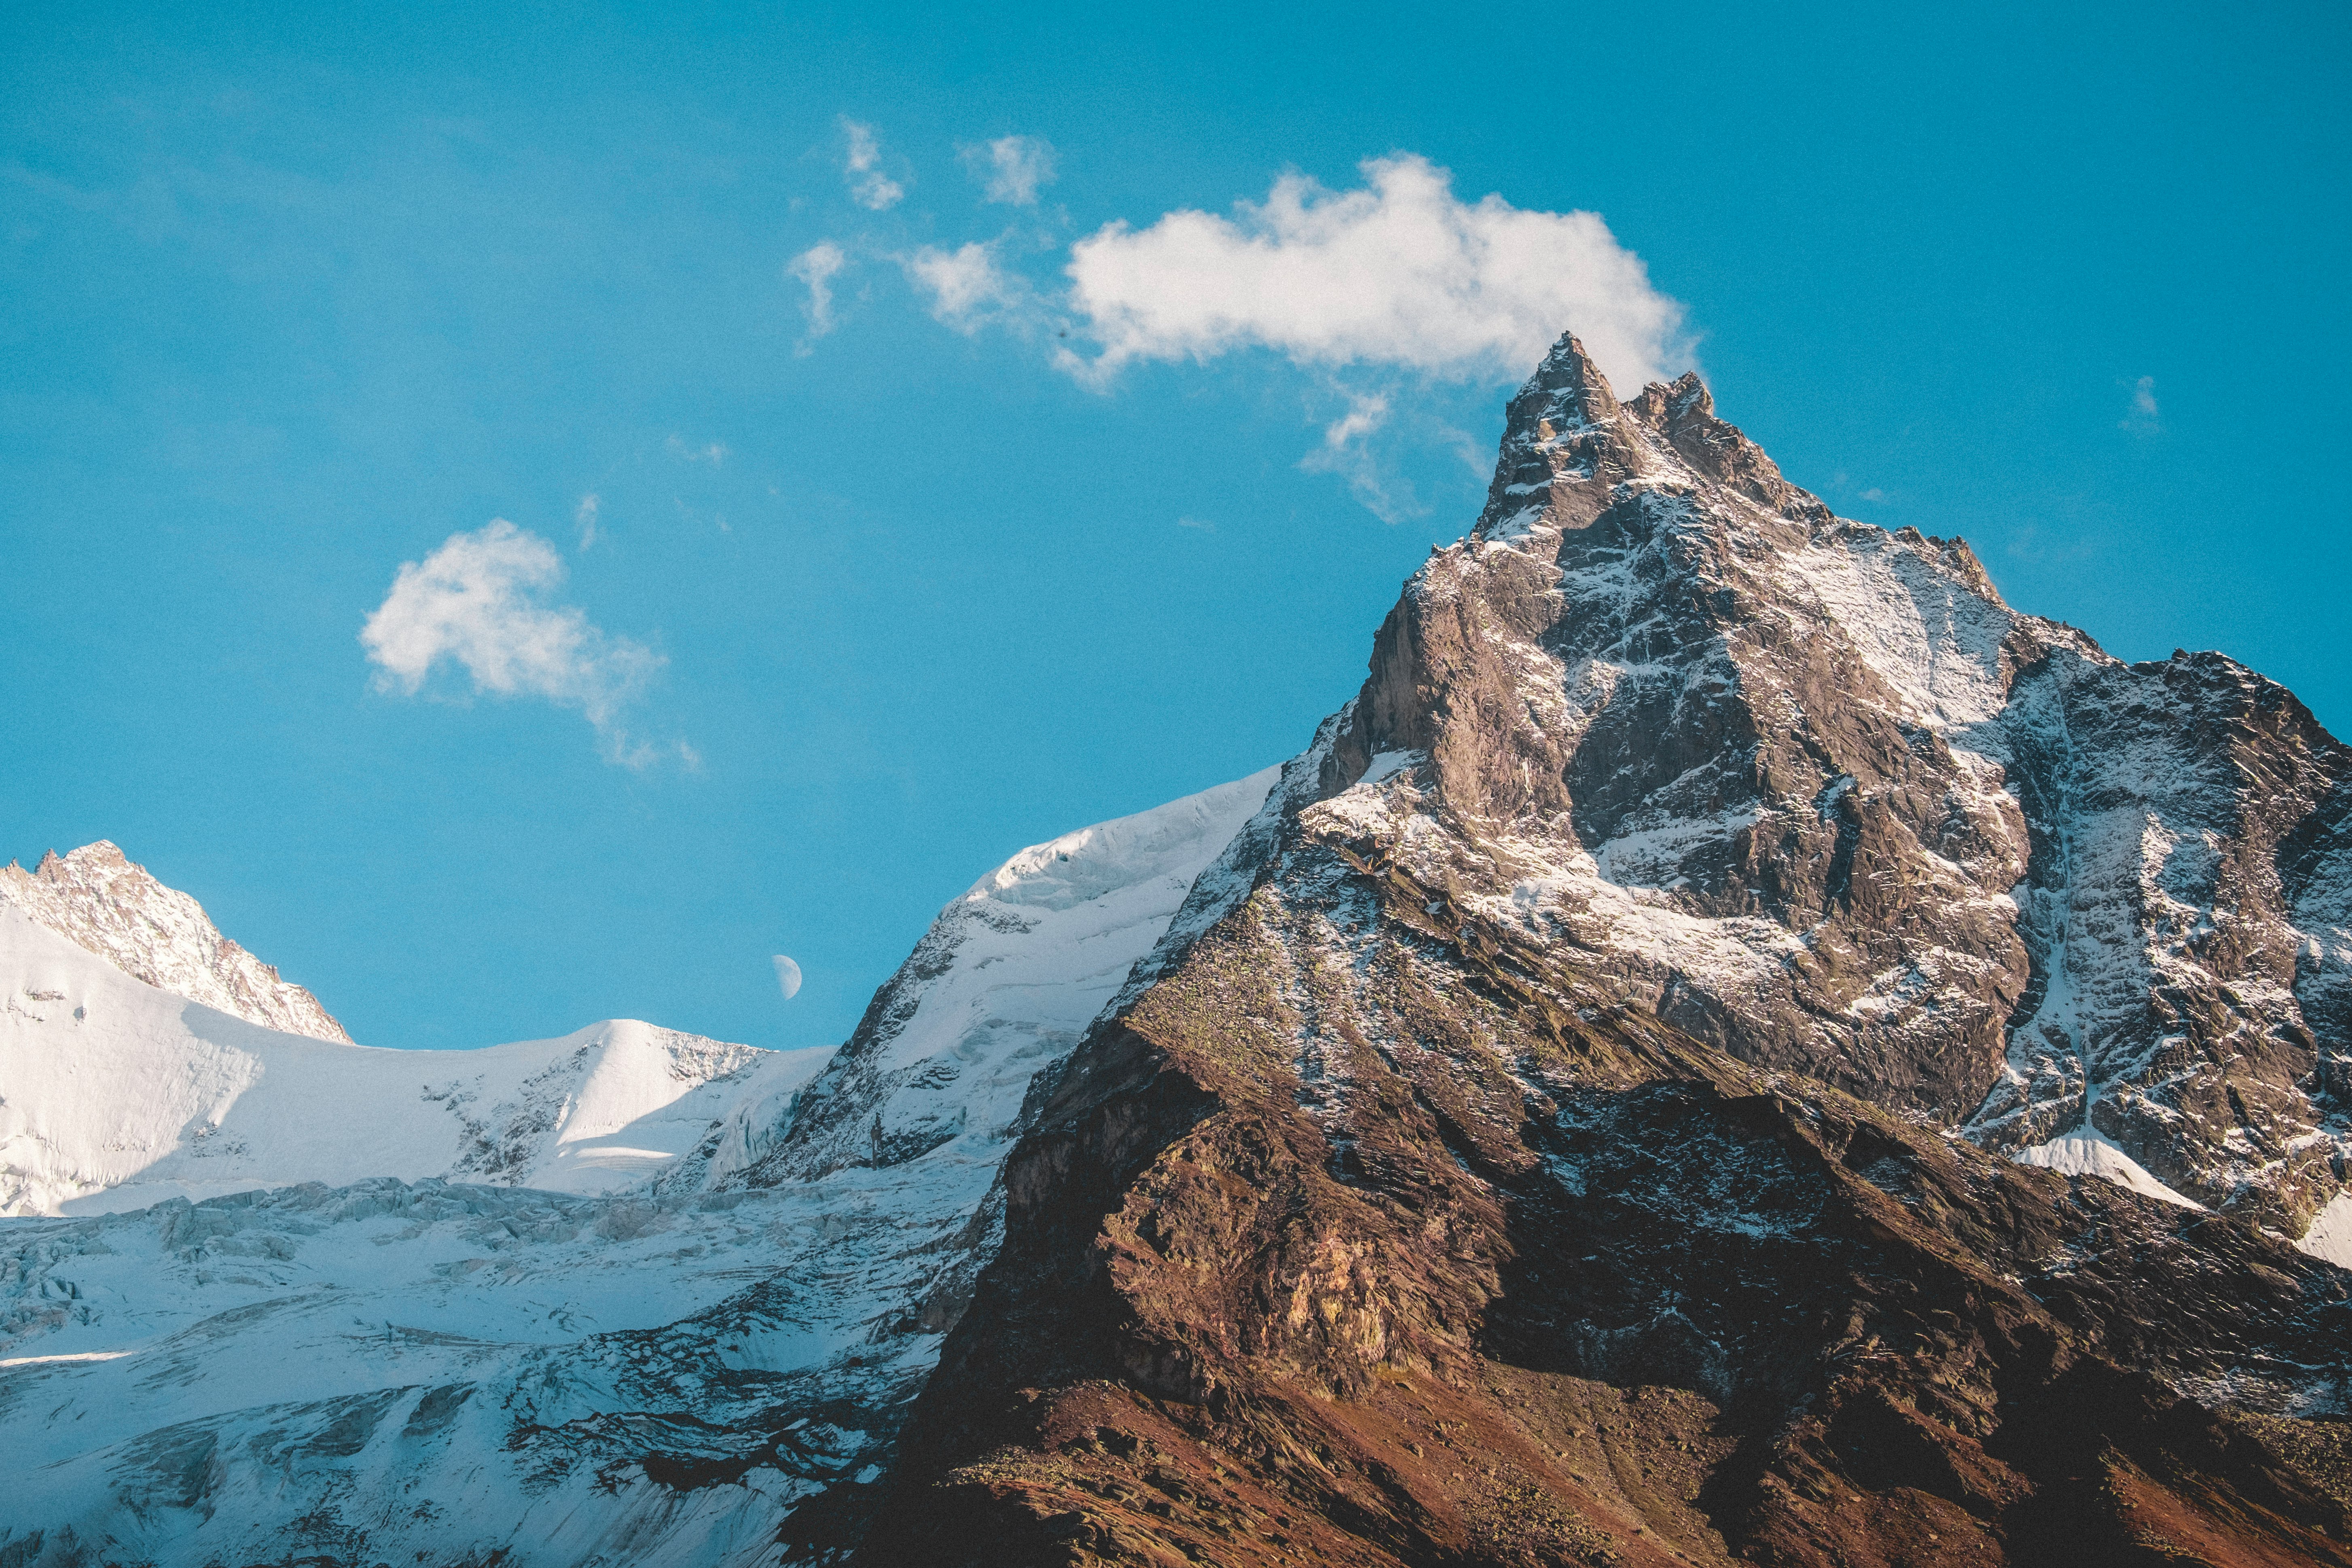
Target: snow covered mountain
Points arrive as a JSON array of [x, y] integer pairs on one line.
[[679, 1360], [96, 897], [119, 1095]]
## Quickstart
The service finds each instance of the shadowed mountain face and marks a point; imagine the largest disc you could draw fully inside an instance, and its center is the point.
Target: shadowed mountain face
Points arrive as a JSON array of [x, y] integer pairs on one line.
[[1570, 1123]]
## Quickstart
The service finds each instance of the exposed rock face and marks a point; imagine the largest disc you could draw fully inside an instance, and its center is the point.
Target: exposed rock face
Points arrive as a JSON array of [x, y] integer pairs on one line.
[[1551, 1132], [1811, 791], [98, 898]]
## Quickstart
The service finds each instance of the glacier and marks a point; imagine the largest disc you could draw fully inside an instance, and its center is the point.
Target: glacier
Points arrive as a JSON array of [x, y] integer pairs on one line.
[[622, 1296]]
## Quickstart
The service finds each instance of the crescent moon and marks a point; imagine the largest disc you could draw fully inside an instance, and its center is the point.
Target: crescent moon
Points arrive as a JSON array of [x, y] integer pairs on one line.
[[788, 976]]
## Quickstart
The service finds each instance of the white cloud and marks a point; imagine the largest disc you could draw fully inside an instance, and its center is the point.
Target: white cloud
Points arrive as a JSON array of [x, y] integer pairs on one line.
[[1364, 416], [817, 266], [966, 286], [869, 187], [1010, 169], [590, 509], [713, 454], [2143, 417], [1346, 452], [1400, 273], [479, 602]]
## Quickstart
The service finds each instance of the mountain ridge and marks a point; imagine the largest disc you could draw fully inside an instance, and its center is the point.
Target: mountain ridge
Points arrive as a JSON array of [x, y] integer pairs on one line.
[[686, 1364], [1734, 1045]]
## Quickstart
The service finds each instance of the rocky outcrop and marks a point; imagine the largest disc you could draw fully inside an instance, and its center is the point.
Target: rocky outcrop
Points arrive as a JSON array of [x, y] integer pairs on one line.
[[1568, 1124], [96, 898]]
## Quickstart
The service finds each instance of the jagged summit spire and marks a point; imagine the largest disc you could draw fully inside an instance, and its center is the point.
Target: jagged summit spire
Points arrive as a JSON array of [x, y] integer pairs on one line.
[[1566, 383], [1560, 434], [1568, 442]]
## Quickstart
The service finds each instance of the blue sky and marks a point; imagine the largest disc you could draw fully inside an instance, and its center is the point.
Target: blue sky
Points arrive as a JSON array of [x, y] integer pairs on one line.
[[871, 597]]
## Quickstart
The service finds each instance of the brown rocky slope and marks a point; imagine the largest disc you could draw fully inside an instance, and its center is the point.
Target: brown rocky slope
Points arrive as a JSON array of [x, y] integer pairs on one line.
[[1546, 1137]]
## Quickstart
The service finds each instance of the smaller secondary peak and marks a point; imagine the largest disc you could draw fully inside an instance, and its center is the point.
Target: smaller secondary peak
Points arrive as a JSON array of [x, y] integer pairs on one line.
[[97, 898], [98, 855], [1666, 406]]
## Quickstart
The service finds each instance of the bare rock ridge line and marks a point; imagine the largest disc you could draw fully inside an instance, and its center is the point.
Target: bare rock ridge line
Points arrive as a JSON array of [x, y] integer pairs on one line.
[[1592, 1113], [96, 897]]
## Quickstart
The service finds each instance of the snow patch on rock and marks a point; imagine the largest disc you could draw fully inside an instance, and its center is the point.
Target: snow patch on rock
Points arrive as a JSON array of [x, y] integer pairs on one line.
[[2330, 1236], [2090, 1154]]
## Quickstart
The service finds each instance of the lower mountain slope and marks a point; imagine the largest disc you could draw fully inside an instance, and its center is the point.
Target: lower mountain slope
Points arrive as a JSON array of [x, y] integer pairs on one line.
[[1372, 1233], [707, 1366]]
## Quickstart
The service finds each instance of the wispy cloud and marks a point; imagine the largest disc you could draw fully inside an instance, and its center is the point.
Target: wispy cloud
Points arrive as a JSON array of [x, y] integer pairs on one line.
[[712, 453], [1010, 169], [966, 287], [1400, 273], [591, 509], [1346, 452], [869, 187], [1364, 416], [2143, 419], [480, 603], [817, 266]]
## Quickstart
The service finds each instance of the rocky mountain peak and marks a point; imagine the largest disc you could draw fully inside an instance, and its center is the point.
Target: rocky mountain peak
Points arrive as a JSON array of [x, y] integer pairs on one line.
[[99, 899], [1729, 1003], [1813, 791], [100, 856], [1566, 390]]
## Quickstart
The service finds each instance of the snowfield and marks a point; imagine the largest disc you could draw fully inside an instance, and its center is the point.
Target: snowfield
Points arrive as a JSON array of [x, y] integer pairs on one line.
[[628, 1295], [119, 1095]]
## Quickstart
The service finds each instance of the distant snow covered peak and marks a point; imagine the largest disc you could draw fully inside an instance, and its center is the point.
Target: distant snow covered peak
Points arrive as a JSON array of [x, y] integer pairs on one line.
[[119, 1095], [715, 1321], [97, 898]]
